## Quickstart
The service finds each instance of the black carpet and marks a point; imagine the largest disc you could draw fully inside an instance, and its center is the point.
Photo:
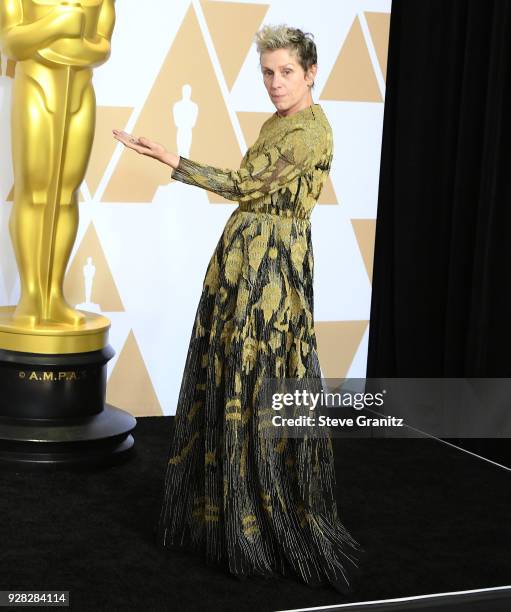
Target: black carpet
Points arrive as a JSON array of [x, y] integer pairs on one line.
[[432, 519]]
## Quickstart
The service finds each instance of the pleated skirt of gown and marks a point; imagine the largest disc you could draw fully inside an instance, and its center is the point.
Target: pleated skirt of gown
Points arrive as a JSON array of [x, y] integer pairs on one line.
[[257, 504]]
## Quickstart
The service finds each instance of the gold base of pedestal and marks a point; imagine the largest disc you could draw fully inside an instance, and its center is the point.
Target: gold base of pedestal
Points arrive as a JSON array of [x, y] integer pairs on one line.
[[53, 339]]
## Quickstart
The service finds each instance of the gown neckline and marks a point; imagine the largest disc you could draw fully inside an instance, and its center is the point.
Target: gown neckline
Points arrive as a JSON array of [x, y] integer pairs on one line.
[[302, 111]]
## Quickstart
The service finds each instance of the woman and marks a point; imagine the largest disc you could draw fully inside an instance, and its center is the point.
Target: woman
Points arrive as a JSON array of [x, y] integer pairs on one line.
[[230, 492]]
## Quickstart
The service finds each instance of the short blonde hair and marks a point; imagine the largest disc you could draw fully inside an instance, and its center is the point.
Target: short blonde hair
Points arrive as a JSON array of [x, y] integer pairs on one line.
[[281, 36]]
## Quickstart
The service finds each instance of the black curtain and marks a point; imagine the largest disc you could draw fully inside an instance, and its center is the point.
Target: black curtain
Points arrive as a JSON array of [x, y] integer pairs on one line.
[[441, 299]]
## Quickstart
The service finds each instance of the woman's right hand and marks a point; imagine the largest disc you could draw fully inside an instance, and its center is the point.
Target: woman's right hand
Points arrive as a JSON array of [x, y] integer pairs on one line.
[[148, 147]]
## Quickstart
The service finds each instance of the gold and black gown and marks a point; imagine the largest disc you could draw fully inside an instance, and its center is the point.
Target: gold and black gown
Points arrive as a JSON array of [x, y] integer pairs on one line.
[[238, 498]]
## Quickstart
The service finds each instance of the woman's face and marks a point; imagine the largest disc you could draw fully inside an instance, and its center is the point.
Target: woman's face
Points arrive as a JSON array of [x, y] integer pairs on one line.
[[285, 80]]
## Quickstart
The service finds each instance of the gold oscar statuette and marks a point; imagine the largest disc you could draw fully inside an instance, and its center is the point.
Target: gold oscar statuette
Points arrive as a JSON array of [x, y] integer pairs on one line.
[[53, 357], [55, 45]]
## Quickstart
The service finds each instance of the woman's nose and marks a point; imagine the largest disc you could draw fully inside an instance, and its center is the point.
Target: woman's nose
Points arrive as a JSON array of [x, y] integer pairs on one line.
[[275, 83]]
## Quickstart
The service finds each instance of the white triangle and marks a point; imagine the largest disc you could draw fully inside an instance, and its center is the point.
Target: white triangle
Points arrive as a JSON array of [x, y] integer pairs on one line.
[[358, 367]]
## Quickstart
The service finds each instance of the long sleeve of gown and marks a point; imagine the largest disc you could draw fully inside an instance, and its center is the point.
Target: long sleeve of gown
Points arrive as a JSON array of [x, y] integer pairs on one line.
[[266, 173]]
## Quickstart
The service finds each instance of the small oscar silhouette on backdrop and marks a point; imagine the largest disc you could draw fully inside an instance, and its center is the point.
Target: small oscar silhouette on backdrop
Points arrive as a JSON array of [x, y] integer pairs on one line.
[[52, 356], [185, 114], [89, 270]]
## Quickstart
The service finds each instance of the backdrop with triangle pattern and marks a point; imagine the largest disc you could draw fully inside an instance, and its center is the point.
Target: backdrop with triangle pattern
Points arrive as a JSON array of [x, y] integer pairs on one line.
[[186, 74]]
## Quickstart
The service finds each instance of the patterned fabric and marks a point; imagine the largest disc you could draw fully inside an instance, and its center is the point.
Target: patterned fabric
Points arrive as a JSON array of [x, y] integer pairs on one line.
[[260, 505]]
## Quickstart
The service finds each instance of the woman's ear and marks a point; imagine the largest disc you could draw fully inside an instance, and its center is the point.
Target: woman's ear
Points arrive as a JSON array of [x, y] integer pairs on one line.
[[311, 75]]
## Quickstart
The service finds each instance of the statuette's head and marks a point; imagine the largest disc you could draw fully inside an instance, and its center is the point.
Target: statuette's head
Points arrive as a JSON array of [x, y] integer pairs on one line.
[[288, 60]]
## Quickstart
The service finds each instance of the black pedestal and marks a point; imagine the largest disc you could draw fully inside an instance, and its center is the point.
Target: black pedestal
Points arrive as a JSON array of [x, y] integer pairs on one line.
[[52, 412]]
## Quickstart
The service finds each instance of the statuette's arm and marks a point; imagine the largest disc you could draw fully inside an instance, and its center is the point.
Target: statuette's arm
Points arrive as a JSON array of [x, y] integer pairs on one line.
[[21, 42], [94, 49], [98, 50]]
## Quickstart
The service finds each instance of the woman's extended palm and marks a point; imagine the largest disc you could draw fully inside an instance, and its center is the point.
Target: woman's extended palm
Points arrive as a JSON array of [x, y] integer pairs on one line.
[[141, 145]]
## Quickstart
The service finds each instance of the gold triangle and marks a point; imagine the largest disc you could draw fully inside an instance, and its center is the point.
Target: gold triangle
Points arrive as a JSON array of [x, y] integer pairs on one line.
[[327, 195], [129, 386], [364, 231], [251, 124], [352, 77], [137, 177], [214, 198], [338, 342], [107, 117], [104, 290], [244, 20], [379, 26]]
